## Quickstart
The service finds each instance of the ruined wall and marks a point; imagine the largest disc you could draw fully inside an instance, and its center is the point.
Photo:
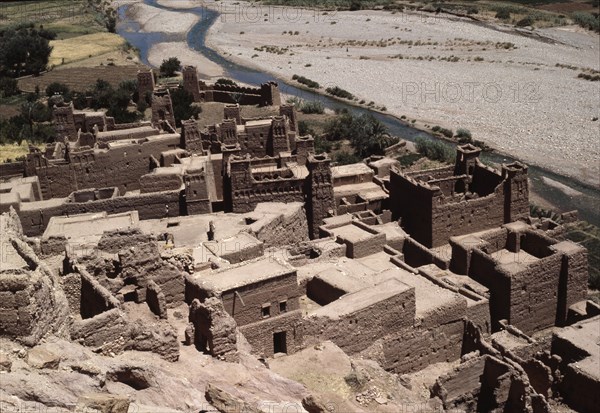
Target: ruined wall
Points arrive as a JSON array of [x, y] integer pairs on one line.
[[214, 331], [288, 228], [121, 166], [10, 169], [31, 303], [142, 264], [245, 192]]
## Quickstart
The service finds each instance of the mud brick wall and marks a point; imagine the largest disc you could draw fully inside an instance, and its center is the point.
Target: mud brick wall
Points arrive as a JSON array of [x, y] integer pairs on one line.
[[31, 302], [285, 230], [483, 270], [10, 169], [484, 180], [464, 217], [149, 206], [362, 248], [71, 284], [355, 331], [121, 166], [322, 292], [533, 295], [160, 182], [95, 299], [260, 334], [413, 204], [495, 239], [415, 348], [100, 329], [573, 279], [282, 190], [460, 388], [581, 391], [254, 296], [142, 264], [16, 305]]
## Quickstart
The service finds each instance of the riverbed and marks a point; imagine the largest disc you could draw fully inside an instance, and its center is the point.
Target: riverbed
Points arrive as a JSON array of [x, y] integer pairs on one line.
[[581, 196]]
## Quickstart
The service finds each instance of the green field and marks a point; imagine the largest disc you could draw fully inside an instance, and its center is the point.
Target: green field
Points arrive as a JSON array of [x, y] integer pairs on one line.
[[68, 18]]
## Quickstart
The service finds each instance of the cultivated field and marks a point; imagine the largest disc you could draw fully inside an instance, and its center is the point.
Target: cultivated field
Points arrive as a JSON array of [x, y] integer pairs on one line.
[[78, 48]]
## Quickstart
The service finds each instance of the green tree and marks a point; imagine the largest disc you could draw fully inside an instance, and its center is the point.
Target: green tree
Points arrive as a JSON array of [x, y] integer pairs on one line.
[[169, 66], [24, 50], [182, 106], [57, 88]]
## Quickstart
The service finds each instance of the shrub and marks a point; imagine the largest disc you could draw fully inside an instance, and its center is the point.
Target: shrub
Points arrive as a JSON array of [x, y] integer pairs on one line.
[[225, 82], [345, 158], [339, 92], [435, 150], [464, 135], [525, 21], [312, 107], [322, 145], [586, 20], [503, 14], [8, 87], [307, 82], [446, 132]]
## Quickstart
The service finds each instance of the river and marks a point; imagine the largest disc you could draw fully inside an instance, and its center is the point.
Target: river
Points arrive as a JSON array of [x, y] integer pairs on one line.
[[544, 182]]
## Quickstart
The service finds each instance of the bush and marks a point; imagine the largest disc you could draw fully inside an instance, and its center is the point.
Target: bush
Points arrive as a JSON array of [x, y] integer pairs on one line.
[[339, 92], [435, 150], [503, 14], [586, 20], [464, 135], [322, 145], [169, 66], [446, 132], [8, 87], [312, 107], [525, 21], [225, 82], [307, 82], [57, 88], [346, 158]]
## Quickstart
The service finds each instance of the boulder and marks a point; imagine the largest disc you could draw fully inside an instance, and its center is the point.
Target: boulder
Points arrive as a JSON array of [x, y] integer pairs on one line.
[[41, 358]]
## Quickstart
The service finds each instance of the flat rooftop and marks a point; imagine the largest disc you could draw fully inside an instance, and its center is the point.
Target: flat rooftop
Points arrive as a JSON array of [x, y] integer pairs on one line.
[[85, 225], [585, 335], [369, 191], [352, 233], [359, 300], [248, 273], [350, 170], [127, 132], [428, 296]]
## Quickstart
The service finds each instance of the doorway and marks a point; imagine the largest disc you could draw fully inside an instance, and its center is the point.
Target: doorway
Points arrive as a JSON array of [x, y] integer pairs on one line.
[[279, 342]]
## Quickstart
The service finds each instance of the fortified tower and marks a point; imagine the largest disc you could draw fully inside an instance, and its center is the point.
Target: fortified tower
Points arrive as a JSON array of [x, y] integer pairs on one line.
[[146, 84], [320, 199], [190, 136], [516, 192], [190, 82], [64, 123]]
